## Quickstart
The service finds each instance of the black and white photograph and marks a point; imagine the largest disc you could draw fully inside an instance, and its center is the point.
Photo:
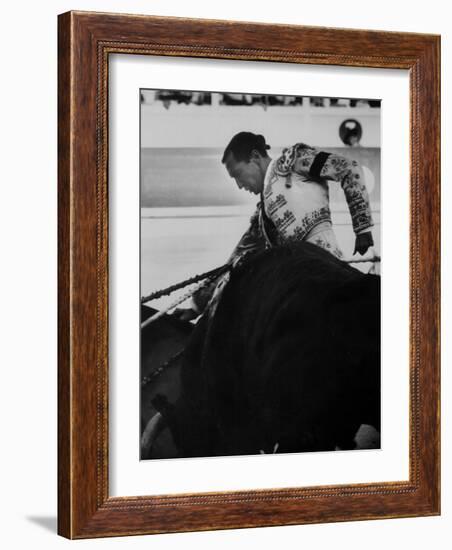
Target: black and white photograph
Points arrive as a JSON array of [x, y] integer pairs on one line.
[[260, 274], [224, 235]]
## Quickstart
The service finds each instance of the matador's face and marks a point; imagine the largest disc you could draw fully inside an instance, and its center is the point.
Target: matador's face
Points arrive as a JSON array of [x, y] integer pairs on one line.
[[248, 175]]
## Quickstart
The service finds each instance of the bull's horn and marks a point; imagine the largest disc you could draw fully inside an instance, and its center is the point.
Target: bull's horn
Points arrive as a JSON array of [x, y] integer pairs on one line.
[[150, 433]]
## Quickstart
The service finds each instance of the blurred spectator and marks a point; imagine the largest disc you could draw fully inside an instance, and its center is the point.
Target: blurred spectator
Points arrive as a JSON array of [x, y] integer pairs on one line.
[[339, 102], [234, 99], [317, 101], [202, 98], [350, 132], [166, 96]]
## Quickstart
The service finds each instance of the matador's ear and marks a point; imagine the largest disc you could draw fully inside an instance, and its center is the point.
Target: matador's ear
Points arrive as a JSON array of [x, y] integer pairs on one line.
[[255, 155]]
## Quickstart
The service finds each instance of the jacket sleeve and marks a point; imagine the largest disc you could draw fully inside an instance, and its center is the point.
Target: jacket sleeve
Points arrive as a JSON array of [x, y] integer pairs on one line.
[[317, 164], [251, 241]]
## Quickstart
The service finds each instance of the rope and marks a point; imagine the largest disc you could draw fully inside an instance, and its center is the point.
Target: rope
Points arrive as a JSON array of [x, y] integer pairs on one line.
[[176, 302], [148, 379], [374, 259], [213, 274]]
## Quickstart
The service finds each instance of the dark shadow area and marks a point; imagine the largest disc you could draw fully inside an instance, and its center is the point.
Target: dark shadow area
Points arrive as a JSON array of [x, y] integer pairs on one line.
[[46, 522]]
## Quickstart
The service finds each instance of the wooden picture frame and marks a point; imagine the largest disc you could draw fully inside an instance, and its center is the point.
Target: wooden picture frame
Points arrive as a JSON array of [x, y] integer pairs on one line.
[[85, 42]]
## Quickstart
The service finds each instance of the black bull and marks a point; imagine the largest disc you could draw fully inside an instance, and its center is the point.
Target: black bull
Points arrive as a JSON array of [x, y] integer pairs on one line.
[[289, 361]]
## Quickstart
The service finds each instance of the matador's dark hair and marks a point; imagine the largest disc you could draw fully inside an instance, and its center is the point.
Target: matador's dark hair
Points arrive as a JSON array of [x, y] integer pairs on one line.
[[243, 143]]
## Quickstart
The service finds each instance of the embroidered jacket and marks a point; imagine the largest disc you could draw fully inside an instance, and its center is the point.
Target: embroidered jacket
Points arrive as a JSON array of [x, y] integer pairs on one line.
[[295, 199]]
